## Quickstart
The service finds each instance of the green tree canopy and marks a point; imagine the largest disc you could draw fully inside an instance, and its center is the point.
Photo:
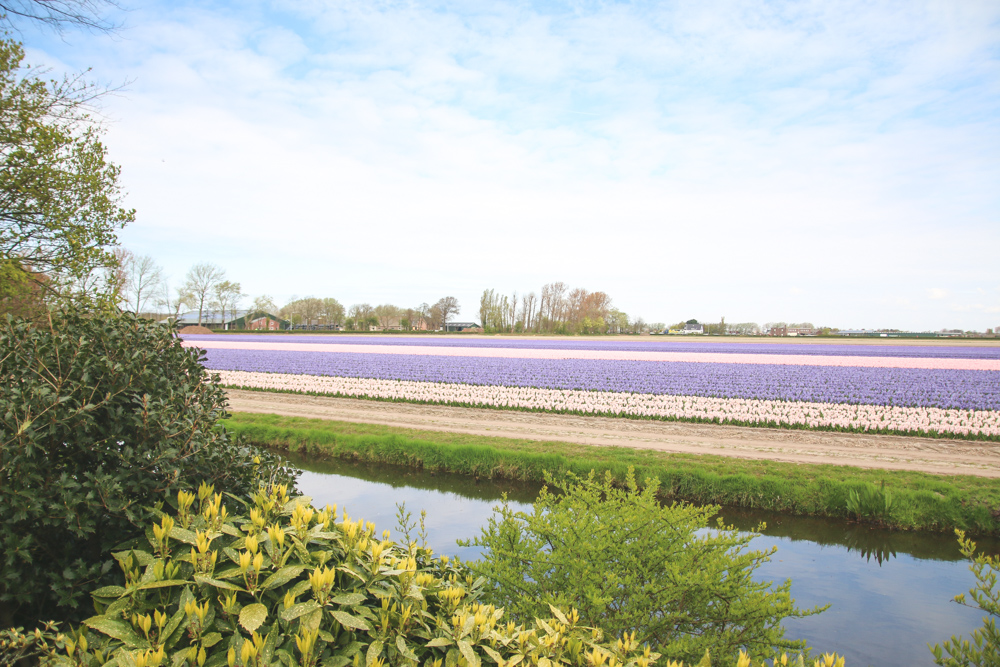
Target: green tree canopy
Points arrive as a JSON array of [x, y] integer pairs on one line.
[[60, 200]]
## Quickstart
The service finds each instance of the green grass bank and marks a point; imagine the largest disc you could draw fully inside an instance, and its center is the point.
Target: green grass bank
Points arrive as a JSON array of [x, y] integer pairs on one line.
[[919, 501]]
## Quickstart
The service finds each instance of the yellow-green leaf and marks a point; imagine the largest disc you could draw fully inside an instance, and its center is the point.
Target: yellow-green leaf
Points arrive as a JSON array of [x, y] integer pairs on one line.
[[349, 621], [252, 616], [467, 652], [404, 650]]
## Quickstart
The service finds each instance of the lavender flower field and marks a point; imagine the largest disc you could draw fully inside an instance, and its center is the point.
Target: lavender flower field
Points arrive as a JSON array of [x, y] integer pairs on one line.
[[914, 390]]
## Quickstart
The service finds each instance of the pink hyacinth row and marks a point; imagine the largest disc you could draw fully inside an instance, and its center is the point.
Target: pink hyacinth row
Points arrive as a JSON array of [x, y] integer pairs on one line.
[[613, 355], [734, 410]]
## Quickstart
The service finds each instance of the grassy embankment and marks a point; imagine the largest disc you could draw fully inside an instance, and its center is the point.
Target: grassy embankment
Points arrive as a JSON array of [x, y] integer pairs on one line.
[[919, 500]]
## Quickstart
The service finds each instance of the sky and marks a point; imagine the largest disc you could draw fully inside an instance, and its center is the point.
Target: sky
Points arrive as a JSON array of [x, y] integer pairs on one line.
[[830, 161]]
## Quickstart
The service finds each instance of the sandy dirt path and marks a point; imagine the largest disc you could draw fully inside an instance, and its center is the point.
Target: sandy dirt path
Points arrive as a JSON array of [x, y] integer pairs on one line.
[[866, 451]]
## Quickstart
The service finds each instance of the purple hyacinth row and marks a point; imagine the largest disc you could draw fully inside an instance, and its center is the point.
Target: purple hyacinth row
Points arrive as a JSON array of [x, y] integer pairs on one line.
[[671, 345], [958, 389]]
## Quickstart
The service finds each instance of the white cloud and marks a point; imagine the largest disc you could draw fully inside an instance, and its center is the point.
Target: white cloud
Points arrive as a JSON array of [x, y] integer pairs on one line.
[[683, 158]]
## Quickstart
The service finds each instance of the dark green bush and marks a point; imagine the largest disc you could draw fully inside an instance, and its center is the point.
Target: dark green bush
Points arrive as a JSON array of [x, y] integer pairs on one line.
[[99, 419]]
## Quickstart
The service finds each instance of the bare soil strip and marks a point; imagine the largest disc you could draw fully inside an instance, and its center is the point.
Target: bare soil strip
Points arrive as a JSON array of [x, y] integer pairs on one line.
[[888, 452]]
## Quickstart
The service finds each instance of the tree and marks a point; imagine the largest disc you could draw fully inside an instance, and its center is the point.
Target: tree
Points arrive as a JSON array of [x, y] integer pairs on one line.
[[447, 307], [57, 14], [200, 282], [173, 303], [263, 304], [332, 311], [386, 313], [141, 279], [227, 295], [630, 564], [100, 418], [59, 195]]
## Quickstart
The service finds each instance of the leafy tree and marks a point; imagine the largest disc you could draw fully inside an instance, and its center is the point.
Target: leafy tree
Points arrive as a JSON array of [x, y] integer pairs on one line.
[[630, 564], [98, 419], [59, 195], [332, 311], [984, 649]]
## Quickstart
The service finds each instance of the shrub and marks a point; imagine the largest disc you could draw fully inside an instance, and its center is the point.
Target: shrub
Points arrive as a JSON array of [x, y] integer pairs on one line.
[[98, 419], [630, 564], [984, 649], [285, 584]]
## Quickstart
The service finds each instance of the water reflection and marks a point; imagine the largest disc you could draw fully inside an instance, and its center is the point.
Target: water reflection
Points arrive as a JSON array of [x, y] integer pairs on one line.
[[870, 543], [890, 592]]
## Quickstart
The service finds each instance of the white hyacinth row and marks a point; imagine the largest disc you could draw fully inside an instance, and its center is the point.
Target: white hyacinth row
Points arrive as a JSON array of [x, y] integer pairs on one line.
[[660, 406]]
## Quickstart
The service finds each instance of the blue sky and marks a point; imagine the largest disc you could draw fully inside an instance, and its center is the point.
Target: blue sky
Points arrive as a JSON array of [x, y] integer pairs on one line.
[[830, 161]]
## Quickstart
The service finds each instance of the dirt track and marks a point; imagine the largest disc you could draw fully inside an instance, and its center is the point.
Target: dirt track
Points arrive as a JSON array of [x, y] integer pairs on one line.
[[866, 451]]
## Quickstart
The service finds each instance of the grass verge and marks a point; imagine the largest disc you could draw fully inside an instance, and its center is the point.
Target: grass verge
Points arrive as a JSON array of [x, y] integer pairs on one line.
[[919, 500]]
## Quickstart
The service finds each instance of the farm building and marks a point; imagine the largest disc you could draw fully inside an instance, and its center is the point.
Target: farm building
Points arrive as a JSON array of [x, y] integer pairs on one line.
[[238, 319], [794, 331], [461, 326], [689, 328]]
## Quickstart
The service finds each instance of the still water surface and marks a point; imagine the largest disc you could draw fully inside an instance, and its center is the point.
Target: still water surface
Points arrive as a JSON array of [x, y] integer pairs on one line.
[[890, 592]]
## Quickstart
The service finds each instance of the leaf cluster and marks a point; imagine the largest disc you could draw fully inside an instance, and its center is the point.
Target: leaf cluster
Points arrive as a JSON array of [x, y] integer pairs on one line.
[[984, 647], [630, 564], [98, 419], [285, 584], [60, 201]]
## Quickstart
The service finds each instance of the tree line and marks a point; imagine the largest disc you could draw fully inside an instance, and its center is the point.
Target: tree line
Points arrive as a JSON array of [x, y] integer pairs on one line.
[[142, 286], [557, 309]]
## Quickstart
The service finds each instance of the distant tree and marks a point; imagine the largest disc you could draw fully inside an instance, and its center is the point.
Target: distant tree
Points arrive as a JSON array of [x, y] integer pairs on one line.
[[745, 328], [263, 304], [200, 283], [691, 322], [227, 295], [141, 279], [386, 313], [447, 307], [332, 311], [360, 313], [421, 315], [303, 311], [172, 302]]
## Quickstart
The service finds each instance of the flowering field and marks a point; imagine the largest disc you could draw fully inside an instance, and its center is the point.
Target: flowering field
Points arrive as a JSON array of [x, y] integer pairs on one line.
[[906, 389]]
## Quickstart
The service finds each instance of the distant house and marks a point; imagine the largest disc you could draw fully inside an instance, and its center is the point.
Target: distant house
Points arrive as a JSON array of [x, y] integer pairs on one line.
[[396, 324], [794, 331]]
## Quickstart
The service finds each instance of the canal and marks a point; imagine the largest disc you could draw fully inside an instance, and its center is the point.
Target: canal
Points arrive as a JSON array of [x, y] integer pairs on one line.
[[890, 593]]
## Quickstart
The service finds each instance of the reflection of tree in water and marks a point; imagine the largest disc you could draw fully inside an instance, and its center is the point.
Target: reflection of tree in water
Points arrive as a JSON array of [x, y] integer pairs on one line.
[[870, 543]]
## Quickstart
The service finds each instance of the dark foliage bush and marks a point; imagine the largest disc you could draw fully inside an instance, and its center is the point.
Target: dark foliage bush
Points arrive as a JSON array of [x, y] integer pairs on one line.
[[99, 419]]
